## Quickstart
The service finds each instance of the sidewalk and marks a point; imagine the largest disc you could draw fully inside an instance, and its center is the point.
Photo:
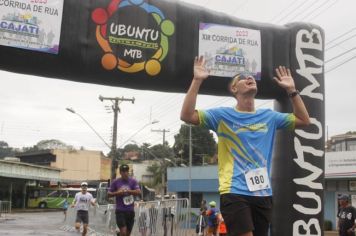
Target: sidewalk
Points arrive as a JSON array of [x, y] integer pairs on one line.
[[331, 233]]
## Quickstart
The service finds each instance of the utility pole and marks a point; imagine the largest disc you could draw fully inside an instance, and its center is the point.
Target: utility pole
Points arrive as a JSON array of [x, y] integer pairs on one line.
[[116, 109], [164, 173], [164, 134]]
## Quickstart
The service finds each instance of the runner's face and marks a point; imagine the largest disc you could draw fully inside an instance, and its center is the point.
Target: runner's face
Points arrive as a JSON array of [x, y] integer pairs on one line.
[[243, 84], [84, 188], [246, 85], [343, 203], [124, 174]]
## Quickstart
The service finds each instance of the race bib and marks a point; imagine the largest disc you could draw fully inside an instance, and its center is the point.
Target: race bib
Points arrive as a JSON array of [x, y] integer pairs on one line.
[[128, 200], [257, 179]]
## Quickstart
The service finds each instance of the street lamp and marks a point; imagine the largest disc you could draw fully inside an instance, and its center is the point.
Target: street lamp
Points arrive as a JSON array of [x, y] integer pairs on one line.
[[150, 123], [91, 127]]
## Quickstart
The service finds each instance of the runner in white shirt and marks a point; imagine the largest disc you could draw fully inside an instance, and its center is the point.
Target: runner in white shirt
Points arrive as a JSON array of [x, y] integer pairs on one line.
[[82, 201]]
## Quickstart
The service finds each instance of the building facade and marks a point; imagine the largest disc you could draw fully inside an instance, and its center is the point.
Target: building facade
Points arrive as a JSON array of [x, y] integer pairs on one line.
[[15, 176], [340, 174], [203, 184], [75, 165]]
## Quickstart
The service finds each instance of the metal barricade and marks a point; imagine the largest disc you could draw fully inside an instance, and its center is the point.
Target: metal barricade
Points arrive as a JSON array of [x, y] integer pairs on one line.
[[5, 208], [101, 220], [154, 218], [161, 218]]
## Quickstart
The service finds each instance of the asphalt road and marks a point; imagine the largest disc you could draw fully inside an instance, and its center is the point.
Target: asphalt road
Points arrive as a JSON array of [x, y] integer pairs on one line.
[[48, 224], [35, 223]]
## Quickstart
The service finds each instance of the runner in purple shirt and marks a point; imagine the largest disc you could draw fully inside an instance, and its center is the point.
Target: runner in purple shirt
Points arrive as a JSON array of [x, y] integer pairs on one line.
[[124, 189]]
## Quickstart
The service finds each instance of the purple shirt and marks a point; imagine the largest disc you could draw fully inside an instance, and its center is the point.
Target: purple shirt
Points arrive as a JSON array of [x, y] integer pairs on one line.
[[124, 202]]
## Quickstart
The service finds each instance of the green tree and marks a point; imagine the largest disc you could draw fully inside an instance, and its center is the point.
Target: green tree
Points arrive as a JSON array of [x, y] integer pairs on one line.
[[131, 148], [156, 170], [48, 144], [163, 155], [203, 144], [5, 150], [351, 132], [52, 144], [162, 151]]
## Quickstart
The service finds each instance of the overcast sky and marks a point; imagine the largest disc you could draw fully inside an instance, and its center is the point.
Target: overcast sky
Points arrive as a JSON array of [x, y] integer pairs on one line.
[[33, 108]]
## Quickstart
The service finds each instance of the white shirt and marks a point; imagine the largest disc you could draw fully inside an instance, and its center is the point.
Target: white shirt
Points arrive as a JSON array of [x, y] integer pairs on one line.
[[82, 201]]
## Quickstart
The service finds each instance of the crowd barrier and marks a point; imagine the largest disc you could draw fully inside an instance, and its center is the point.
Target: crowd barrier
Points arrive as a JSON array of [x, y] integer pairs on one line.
[[155, 218], [5, 208]]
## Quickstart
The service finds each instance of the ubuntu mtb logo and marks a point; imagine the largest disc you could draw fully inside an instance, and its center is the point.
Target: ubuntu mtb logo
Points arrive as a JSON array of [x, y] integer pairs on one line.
[[133, 35]]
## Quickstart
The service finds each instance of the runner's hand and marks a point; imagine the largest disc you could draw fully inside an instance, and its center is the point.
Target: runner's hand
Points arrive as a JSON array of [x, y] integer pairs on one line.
[[200, 71], [284, 79]]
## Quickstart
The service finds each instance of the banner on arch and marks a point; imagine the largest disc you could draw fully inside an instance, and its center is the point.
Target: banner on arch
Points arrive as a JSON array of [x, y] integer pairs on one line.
[[230, 50], [31, 24]]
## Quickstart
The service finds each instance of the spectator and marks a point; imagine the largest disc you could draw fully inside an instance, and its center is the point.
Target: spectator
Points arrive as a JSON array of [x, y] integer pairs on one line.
[[212, 214], [346, 217]]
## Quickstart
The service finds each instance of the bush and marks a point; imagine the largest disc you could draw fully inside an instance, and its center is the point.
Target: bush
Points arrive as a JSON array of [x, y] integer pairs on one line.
[[327, 225]]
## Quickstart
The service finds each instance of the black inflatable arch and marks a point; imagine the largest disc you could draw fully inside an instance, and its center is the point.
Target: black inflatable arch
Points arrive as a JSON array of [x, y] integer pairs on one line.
[[85, 56]]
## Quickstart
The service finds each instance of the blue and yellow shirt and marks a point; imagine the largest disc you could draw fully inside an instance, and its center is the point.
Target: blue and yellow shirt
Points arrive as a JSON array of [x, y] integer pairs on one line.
[[245, 141]]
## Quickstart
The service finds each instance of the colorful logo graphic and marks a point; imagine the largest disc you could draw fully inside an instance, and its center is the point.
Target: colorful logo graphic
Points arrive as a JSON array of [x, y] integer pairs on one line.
[[230, 57], [133, 35], [22, 24]]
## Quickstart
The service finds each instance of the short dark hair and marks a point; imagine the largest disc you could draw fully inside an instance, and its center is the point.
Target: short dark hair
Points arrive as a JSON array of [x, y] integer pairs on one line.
[[124, 167]]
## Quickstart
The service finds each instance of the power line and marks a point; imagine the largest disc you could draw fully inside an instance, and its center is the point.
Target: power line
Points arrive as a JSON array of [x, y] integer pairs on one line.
[[340, 36], [303, 11], [283, 10], [163, 131], [313, 17], [343, 63], [341, 54], [353, 36], [239, 7], [293, 10]]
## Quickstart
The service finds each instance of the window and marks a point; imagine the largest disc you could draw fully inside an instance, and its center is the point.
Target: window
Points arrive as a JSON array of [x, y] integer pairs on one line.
[[338, 147], [43, 193], [351, 145], [352, 185], [196, 198]]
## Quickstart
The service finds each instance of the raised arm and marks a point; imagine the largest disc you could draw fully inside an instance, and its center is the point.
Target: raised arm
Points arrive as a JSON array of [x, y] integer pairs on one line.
[[74, 201], [188, 112], [284, 79], [93, 202]]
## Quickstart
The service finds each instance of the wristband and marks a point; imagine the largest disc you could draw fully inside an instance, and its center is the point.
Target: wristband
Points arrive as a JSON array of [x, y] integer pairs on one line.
[[293, 94]]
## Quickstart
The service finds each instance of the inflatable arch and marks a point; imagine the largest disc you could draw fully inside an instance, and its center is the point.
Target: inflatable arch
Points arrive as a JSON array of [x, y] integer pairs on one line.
[[151, 44]]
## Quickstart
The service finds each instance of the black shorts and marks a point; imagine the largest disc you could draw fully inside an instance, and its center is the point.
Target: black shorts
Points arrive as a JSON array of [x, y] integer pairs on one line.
[[125, 218], [82, 216], [246, 213]]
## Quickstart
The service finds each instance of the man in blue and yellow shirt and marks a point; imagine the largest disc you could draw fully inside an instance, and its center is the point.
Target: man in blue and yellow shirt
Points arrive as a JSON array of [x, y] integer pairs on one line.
[[245, 146]]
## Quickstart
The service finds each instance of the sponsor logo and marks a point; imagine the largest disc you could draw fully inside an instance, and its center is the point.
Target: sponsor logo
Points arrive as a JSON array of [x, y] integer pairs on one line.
[[21, 24], [133, 35]]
